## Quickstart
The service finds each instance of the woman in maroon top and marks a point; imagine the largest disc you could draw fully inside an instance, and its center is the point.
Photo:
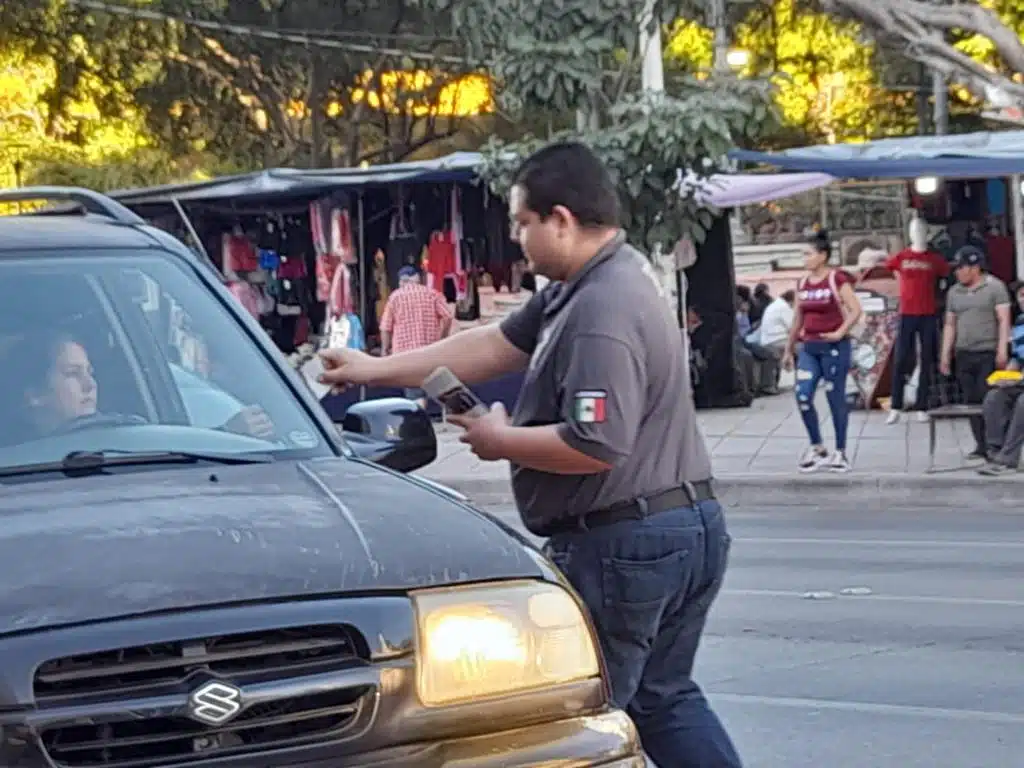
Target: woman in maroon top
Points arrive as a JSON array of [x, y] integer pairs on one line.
[[826, 310]]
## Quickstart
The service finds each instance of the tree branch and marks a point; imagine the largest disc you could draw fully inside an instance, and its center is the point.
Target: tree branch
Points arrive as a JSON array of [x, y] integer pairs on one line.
[[923, 26]]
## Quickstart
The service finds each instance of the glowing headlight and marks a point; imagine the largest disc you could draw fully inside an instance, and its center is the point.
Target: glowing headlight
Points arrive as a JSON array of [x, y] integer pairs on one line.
[[477, 642]]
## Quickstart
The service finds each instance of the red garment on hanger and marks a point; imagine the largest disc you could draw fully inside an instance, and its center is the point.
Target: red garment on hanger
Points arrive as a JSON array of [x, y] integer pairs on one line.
[[325, 263], [340, 301], [441, 261], [238, 255], [341, 236]]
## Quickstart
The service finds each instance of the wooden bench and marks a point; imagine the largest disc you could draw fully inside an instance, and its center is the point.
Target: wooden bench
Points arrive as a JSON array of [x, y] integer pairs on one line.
[[946, 413]]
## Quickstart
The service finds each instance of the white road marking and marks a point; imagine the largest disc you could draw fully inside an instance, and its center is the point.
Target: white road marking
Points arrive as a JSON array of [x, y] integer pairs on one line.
[[935, 599], [911, 543], [939, 713]]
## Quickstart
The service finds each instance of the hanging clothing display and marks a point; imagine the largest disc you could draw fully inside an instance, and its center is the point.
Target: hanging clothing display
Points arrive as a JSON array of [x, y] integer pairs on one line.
[[441, 259], [456, 233], [381, 282], [341, 237], [325, 261], [403, 245], [248, 296], [467, 306], [339, 301], [238, 255]]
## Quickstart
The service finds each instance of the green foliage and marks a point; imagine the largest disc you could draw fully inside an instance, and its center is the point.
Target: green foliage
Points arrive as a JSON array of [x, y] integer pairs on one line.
[[650, 143], [584, 56]]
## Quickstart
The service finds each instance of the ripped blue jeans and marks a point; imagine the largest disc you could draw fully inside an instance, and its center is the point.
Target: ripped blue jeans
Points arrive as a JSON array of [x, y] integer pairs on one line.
[[829, 361]]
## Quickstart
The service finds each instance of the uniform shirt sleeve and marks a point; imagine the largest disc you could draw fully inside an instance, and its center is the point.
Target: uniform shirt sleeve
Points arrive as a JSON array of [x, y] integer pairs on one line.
[[602, 397], [894, 262], [522, 327]]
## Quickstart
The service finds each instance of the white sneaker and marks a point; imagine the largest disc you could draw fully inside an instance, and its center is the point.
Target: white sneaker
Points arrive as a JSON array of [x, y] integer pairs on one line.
[[894, 418], [812, 459], [838, 462], [923, 417]]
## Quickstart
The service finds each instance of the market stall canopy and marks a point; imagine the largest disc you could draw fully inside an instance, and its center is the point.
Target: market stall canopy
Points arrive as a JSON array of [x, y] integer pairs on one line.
[[965, 156], [721, 191], [730, 191], [279, 183]]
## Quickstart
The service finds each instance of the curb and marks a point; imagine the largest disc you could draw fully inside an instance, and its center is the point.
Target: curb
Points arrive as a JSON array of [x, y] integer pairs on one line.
[[885, 490]]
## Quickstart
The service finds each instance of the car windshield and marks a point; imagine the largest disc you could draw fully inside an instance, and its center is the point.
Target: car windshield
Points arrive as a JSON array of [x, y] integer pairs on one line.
[[129, 353]]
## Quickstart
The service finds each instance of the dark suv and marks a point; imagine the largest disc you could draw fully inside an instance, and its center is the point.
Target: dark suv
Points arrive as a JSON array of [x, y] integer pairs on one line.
[[200, 570]]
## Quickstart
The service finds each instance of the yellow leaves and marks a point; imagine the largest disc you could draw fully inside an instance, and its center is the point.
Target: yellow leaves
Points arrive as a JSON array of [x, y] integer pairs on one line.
[[690, 42], [81, 135], [417, 93], [823, 72]]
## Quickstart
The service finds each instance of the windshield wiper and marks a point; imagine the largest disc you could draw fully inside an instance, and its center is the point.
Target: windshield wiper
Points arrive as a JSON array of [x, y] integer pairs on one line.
[[93, 462]]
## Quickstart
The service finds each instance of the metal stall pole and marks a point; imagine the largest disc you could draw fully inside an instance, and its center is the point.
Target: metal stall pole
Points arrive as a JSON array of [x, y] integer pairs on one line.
[[1018, 223], [193, 234], [362, 276]]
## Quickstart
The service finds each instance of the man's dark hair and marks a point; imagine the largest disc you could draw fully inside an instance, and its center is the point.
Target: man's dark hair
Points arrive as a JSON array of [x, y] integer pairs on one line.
[[571, 175], [789, 296]]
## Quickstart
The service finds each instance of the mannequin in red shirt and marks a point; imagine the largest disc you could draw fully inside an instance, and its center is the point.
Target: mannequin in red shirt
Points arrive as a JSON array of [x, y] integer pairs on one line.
[[919, 270]]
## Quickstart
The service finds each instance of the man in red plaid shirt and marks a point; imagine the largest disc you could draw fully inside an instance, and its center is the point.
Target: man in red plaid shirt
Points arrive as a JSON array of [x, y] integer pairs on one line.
[[415, 316]]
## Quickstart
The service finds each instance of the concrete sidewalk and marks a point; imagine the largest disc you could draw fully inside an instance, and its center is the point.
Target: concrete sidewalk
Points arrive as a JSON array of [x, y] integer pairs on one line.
[[755, 451]]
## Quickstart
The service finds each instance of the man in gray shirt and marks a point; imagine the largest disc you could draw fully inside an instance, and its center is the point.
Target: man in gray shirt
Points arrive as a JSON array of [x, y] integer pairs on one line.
[[607, 457], [976, 333]]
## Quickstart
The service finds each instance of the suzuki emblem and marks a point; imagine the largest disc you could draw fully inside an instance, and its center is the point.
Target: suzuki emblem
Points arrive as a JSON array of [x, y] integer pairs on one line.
[[214, 703]]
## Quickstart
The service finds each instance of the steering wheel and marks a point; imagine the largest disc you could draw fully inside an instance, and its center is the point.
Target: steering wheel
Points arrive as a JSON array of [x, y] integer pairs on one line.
[[98, 420]]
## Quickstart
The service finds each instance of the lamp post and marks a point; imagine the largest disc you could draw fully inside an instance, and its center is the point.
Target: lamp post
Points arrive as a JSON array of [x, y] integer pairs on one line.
[[721, 45], [652, 73]]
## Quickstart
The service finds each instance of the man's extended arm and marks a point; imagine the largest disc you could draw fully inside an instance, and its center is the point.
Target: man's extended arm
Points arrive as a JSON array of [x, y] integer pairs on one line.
[[479, 354]]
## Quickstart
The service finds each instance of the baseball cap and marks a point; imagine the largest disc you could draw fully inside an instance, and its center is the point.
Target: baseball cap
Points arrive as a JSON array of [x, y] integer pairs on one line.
[[969, 256], [407, 271]]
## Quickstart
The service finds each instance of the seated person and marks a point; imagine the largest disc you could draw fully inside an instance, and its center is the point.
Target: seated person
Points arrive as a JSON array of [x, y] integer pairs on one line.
[[1004, 405], [60, 388]]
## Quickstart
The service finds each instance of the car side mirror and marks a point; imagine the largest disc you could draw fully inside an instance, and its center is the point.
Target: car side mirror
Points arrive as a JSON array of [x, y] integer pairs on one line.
[[393, 432]]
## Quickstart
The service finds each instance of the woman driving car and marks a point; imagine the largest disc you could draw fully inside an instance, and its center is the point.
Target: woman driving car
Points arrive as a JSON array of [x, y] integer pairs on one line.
[[61, 391]]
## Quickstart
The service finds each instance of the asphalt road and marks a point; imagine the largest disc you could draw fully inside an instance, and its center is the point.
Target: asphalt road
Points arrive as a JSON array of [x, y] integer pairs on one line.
[[861, 638]]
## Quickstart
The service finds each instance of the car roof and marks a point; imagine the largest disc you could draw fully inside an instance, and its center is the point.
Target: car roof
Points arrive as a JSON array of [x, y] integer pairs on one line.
[[70, 233]]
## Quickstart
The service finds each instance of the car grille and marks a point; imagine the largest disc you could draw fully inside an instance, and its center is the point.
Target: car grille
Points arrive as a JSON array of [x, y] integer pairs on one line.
[[130, 675], [132, 743]]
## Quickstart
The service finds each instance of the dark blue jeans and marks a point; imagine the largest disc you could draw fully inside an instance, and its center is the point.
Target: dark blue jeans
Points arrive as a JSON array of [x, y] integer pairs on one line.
[[829, 361], [649, 585]]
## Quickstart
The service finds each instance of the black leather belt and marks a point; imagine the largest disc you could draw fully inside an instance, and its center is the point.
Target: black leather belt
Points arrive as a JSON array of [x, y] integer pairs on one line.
[[639, 508]]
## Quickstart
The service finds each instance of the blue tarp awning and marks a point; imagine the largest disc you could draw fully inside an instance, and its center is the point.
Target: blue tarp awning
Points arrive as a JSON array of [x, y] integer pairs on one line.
[[972, 155], [291, 182]]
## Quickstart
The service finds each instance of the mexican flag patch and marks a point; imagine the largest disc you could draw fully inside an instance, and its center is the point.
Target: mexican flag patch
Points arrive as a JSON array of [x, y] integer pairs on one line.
[[589, 406]]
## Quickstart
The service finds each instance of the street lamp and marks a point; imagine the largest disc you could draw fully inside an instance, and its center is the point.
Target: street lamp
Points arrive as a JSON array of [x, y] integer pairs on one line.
[[737, 58]]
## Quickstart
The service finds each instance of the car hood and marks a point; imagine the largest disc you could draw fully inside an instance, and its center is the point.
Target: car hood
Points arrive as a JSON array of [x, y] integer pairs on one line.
[[76, 550]]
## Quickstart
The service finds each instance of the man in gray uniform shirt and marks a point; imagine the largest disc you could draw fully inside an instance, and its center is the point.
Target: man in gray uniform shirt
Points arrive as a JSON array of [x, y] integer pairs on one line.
[[607, 457], [976, 334]]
